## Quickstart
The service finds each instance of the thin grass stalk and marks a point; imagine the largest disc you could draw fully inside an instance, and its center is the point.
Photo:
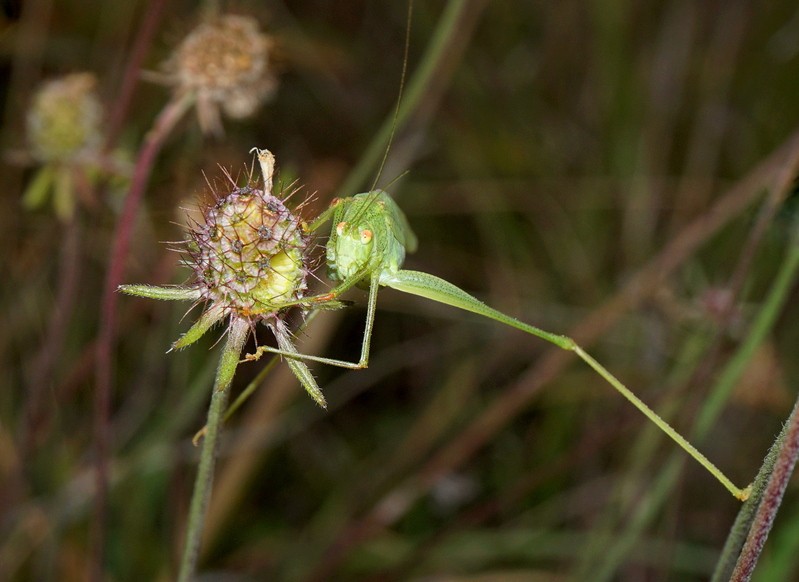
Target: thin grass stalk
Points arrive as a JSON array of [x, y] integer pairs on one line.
[[237, 334]]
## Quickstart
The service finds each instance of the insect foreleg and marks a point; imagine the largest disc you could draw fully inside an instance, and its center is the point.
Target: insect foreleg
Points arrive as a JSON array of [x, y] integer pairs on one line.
[[335, 207]]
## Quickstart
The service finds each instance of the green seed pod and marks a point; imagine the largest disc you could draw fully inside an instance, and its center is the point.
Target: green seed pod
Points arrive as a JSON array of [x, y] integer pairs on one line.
[[249, 254], [63, 123]]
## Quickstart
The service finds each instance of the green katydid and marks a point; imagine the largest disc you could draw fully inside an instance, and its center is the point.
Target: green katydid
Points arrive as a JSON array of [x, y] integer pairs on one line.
[[367, 247]]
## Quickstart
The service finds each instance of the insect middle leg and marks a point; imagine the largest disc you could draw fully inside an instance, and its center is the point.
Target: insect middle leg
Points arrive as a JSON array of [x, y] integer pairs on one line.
[[371, 309]]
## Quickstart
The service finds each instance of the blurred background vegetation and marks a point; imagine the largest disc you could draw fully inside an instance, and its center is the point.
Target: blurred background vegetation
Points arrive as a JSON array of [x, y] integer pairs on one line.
[[555, 158]]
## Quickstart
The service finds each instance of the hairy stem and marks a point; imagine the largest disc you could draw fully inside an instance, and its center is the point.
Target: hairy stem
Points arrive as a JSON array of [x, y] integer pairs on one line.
[[237, 335], [756, 517], [777, 471]]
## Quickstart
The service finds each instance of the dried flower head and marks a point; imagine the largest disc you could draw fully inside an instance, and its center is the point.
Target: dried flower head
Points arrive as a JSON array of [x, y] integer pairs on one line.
[[249, 258], [63, 122], [225, 63]]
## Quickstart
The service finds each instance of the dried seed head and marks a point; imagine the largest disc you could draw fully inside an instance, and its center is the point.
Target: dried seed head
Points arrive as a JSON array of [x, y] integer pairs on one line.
[[64, 120], [226, 62], [249, 255]]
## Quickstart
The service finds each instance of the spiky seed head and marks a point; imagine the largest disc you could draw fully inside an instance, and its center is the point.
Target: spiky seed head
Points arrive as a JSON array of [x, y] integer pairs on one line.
[[226, 62], [249, 255], [63, 122]]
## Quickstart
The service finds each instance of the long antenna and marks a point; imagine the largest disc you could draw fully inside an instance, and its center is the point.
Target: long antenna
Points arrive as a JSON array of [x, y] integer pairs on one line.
[[399, 96], [394, 119]]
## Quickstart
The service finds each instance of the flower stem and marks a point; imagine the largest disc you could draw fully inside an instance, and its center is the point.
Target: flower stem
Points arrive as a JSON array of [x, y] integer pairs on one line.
[[743, 529], [237, 335], [163, 126], [144, 37], [63, 309]]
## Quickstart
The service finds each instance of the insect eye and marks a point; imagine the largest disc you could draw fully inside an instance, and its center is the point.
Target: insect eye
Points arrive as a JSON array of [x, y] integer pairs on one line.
[[340, 228], [366, 236]]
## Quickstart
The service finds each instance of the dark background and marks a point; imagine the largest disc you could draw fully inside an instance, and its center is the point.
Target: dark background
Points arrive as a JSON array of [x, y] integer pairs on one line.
[[559, 149]]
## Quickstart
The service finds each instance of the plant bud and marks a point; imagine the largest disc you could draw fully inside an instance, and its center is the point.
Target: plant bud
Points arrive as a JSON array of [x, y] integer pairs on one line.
[[64, 120]]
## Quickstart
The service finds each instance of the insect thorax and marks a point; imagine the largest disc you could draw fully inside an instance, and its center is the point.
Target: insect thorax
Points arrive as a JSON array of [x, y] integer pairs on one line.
[[363, 239]]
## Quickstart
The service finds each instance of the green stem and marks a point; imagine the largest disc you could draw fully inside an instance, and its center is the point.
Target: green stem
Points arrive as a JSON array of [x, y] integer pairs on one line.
[[241, 398], [237, 335]]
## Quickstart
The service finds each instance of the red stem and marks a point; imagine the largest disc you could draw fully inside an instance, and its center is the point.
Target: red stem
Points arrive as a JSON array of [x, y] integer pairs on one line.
[[144, 37], [770, 503], [153, 142], [53, 342]]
